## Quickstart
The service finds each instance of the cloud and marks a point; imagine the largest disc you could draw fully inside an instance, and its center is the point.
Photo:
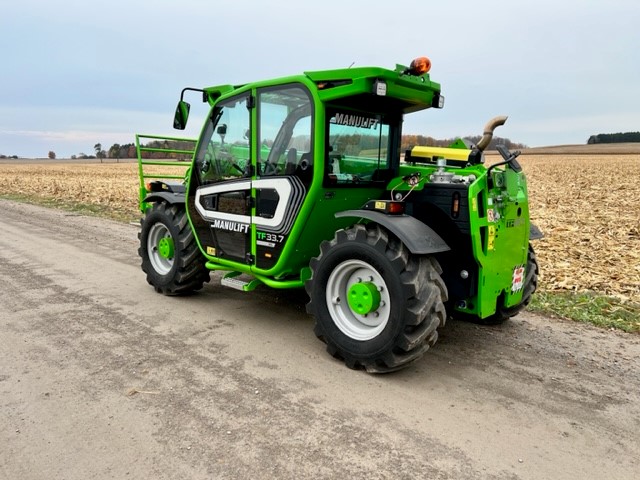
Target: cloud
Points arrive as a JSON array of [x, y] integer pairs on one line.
[[31, 131], [68, 136], [87, 72]]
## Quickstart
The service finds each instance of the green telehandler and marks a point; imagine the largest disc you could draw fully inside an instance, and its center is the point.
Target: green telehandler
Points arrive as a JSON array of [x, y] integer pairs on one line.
[[300, 182]]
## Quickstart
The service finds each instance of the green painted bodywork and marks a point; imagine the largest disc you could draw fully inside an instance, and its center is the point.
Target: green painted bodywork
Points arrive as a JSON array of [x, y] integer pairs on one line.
[[179, 170], [497, 208]]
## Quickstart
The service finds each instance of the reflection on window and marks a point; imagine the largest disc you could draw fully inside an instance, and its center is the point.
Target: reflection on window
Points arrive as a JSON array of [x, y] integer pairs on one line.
[[227, 153], [358, 148], [285, 131]]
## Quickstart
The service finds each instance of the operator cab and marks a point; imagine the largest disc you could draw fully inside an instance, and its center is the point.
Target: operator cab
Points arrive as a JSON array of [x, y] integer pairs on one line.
[[270, 148]]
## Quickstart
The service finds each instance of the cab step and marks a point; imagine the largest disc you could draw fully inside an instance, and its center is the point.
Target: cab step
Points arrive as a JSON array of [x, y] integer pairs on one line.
[[231, 280]]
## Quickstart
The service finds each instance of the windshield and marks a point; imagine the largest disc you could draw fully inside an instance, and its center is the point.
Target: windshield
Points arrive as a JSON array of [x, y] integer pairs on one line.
[[224, 149]]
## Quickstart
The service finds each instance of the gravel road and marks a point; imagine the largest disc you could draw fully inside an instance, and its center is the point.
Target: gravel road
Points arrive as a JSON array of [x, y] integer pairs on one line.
[[100, 378]]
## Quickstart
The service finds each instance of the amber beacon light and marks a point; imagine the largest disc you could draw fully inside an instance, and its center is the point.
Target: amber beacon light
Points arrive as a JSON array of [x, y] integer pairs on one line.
[[420, 66]]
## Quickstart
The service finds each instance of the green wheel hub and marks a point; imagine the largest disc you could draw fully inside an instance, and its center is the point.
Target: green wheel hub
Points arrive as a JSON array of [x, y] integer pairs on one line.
[[358, 300], [363, 298], [165, 247]]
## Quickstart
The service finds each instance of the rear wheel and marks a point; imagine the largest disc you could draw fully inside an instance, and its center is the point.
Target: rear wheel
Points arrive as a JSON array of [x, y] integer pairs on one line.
[[376, 306], [170, 256]]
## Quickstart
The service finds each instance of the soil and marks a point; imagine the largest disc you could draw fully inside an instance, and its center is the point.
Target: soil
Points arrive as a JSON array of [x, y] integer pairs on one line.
[[100, 377]]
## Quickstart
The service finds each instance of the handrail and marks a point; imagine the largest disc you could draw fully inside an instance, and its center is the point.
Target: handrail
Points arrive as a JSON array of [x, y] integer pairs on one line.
[[171, 153]]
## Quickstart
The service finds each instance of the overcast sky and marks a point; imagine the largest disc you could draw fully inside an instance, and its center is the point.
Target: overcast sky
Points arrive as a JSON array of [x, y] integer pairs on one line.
[[77, 73]]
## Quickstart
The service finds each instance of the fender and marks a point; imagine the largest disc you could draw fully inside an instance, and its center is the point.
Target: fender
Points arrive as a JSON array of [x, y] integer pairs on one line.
[[169, 197], [535, 233], [419, 238]]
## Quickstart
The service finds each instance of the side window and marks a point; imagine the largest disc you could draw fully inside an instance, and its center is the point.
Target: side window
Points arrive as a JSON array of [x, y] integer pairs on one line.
[[358, 148], [226, 154], [285, 131]]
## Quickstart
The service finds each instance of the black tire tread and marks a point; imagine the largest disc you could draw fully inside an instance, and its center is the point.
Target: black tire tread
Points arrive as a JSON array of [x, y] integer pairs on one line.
[[423, 287], [189, 273]]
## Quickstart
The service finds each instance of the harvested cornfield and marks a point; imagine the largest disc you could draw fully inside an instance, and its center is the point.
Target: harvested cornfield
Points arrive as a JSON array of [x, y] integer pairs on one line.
[[588, 207], [113, 186]]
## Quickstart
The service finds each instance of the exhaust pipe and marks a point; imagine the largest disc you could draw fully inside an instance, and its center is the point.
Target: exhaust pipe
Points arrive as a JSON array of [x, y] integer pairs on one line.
[[488, 132]]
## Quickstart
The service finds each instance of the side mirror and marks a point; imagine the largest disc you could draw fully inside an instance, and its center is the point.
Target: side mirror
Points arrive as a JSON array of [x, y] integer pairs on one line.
[[181, 116]]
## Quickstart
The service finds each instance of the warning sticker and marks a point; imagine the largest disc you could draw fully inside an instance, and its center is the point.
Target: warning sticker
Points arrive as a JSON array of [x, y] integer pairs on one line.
[[491, 215], [517, 281]]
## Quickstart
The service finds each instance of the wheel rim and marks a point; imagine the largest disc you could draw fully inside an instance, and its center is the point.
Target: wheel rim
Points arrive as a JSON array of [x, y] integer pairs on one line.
[[358, 300], [160, 248]]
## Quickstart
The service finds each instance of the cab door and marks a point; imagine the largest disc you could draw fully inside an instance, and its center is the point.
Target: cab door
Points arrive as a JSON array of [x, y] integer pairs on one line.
[[220, 186], [284, 167], [248, 184]]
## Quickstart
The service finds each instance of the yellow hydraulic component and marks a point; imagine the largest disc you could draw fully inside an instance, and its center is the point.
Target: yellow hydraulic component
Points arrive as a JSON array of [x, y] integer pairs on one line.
[[434, 153]]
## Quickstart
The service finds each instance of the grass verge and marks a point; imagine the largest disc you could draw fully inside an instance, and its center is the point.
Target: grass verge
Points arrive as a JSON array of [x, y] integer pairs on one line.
[[104, 211], [589, 307]]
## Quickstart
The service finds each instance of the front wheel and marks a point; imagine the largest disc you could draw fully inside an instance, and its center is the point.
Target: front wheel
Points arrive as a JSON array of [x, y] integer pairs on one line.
[[170, 255], [376, 305]]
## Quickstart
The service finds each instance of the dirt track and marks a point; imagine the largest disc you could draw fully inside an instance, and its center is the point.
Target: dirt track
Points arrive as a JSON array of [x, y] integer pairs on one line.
[[235, 385]]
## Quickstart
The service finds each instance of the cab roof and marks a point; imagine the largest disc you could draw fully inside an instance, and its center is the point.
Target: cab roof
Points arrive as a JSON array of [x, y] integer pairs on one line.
[[361, 88]]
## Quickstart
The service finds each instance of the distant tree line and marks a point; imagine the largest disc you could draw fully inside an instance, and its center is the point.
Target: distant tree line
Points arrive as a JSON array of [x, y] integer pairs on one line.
[[614, 138], [128, 150], [8, 156], [409, 141], [116, 151], [166, 145], [342, 143]]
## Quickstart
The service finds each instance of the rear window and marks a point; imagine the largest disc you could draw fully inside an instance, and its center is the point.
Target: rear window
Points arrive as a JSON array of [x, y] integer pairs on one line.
[[358, 148]]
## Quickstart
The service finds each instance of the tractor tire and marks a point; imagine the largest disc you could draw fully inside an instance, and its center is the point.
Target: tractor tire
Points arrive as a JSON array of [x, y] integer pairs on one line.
[[530, 285], [170, 255], [376, 305]]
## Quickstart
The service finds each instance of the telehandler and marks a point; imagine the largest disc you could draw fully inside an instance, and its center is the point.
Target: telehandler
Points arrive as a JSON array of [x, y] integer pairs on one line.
[[300, 182]]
